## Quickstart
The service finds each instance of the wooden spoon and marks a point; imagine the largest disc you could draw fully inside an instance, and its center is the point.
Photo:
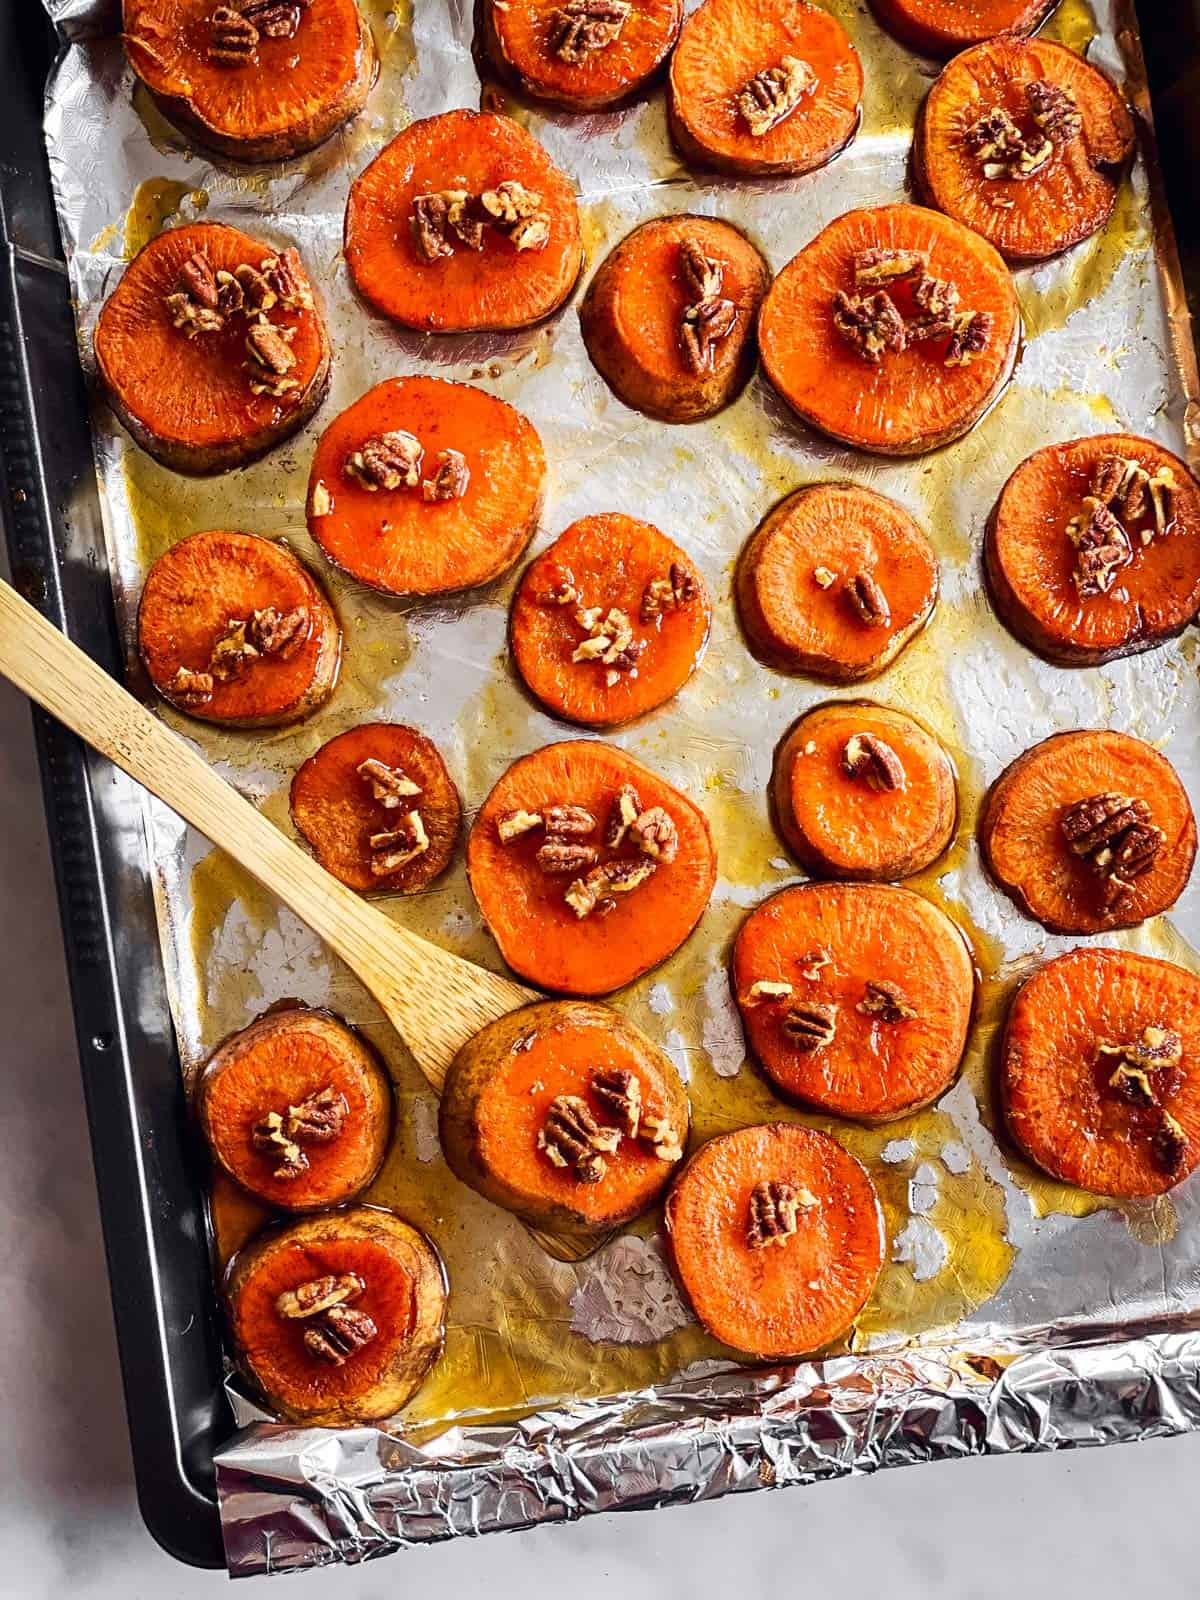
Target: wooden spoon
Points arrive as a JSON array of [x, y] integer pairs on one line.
[[435, 1001]]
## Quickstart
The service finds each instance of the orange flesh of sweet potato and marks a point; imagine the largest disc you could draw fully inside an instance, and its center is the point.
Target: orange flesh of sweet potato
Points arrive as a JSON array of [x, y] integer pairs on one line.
[[209, 580], [775, 1300], [1031, 561], [722, 46], [874, 1069], [943, 27], [1060, 1103], [539, 934], [1021, 835], [333, 805], [278, 1062], [791, 582], [840, 825], [518, 35], [497, 286], [910, 401], [189, 402], [1067, 199], [634, 308], [289, 97], [609, 561], [400, 542]]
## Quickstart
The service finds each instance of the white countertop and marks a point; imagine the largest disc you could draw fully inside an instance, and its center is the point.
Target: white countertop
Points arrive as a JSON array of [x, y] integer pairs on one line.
[[1095, 1523]]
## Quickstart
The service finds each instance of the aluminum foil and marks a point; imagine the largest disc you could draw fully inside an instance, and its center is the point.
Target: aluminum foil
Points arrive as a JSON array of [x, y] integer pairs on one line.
[[1013, 1313]]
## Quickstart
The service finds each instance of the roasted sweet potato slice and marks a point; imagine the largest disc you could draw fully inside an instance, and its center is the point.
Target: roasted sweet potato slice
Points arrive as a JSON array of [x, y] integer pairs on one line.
[[863, 792], [566, 1115], [610, 621], [835, 583], [338, 1318], [424, 486], [1089, 831], [234, 629], [463, 222], [758, 87], [212, 349], [257, 81], [943, 27], [855, 998], [777, 1236], [893, 331], [297, 1109], [669, 317], [1025, 142], [588, 867], [581, 54], [1100, 1071], [1093, 549], [379, 808]]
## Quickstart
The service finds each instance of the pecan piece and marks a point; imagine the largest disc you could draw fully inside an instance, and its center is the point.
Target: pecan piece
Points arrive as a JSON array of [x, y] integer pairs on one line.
[[389, 785], [319, 1118], [517, 211], [279, 633], [276, 19], [428, 221], [654, 833], [232, 38], [1168, 1145], [1120, 486], [270, 353], [609, 639], [704, 326], [199, 281], [1054, 111], [812, 962], [1114, 836], [937, 302], [1156, 1048], [620, 1093], [623, 877], [582, 27], [970, 337], [810, 1025], [396, 847], [626, 809], [232, 653], [386, 461], [288, 281], [269, 1134], [703, 277], [231, 297], [339, 1334], [1000, 148], [594, 892], [870, 323], [765, 989], [771, 95], [1134, 1085], [880, 265], [1162, 489], [190, 318], [318, 1295], [887, 1001], [868, 601], [1102, 548], [257, 292], [571, 1137], [450, 480], [663, 1139], [873, 760], [563, 857], [569, 822], [511, 825], [676, 590], [191, 688], [774, 1207]]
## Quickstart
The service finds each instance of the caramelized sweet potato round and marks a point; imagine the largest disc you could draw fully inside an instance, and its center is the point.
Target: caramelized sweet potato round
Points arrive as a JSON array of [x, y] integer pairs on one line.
[[777, 1235], [355, 800], [892, 364], [836, 581], [365, 1357], [863, 792], [258, 89], [943, 27], [561, 56], [182, 374], [1099, 1071], [1089, 831], [758, 87], [669, 317], [297, 1109], [565, 1114], [374, 502], [234, 629], [855, 998], [512, 259], [588, 867], [1067, 582], [606, 577]]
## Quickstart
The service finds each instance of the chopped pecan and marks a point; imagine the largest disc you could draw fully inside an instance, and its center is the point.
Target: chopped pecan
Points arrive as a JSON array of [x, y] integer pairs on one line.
[[873, 759], [571, 1137], [824, 578], [190, 318], [319, 1118], [270, 353], [880, 265], [1162, 489], [1168, 1144], [868, 601], [1102, 548], [1000, 148], [582, 27], [391, 786], [765, 989], [191, 688], [971, 335], [667, 594], [936, 300], [565, 857], [339, 1334], [397, 846], [623, 877], [620, 1093], [563, 590], [276, 19], [702, 329], [386, 461], [318, 1295], [871, 323], [654, 833], [774, 1207], [810, 1025], [429, 220], [1156, 1048], [609, 640], [450, 480], [1114, 836], [626, 809], [233, 652], [518, 212], [463, 219], [1134, 1085], [257, 292], [1054, 110], [887, 1001], [812, 962], [288, 280], [569, 821], [702, 276], [1120, 486], [270, 1135], [589, 893], [279, 633], [199, 281], [232, 38], [231, 297], [511, 825], [662, 1137], [771, 95]]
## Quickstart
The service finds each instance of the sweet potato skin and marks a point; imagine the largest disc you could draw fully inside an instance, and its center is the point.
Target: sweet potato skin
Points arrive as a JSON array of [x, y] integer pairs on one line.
[[943, 27], [512, 34], [405, 1296], [559, 1202]]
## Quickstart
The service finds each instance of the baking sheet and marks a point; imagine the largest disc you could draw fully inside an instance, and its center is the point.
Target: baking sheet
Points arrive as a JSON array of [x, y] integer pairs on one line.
[[984, 1255]]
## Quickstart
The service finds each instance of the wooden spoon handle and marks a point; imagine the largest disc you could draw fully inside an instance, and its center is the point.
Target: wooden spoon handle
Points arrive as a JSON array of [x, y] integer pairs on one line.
[[435, 1000]]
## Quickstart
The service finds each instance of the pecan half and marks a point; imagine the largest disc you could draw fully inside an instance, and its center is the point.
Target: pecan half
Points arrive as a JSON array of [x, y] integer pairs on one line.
[[339, 1334], [275, 19], [626, 809], [671, 593], [565, 857], [269, 1134], [810, 1025], [868, 601], [232, 38], [199, 281], [279, 633], [702, 329], [1168, 1144], [399, 845], [1114, 836], [703, 277], [257, 292], [386, 461], [571, 1137], [887, 1001], [881, 265], [288, 280], [971, 335], [620, 1093], [319, 1118], [1120, 485], [318, 1295], [451, 478], [191, 688], [654, 833], [511, 825], [872, 759], [271, 356], [429, 219], [582, 27], [1102, 548], [870, 323], [391, 786], [1162, 488], [770, 96], [518, 212], [774, 1207], [232, 653], [1054, 110], [569, 821]]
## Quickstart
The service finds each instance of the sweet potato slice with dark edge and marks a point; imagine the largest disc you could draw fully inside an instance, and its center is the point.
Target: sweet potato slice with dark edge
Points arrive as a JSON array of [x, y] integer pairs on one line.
[[943, 27], [867, 1000], [253, 93], [495, 286], [641, 583], [863, 792], [556, 52], [197, 595], [507, 1132], [972, 165], [669, 317], [350, 812], [1076, 888], [777, 1236], [743, 59], [297, 1109], [1100, 1071], [835, 583], [1034, 568], [634, 918], [191, 399], [377, 521], [911, 399], [389, 1273]]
